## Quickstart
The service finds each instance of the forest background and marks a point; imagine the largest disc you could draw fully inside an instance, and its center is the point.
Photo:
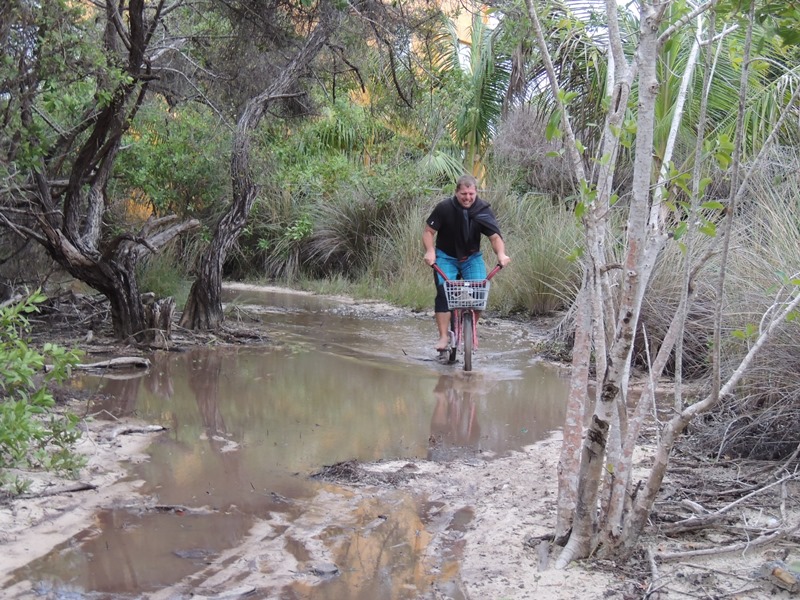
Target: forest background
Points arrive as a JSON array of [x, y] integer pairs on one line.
[[150, 149]]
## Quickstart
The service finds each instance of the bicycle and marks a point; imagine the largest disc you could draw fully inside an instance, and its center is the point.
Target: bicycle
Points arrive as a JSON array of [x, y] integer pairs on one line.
[[465, 299]]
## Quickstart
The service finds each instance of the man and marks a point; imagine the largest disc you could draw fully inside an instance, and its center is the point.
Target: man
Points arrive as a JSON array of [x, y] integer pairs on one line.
[[452, 240]]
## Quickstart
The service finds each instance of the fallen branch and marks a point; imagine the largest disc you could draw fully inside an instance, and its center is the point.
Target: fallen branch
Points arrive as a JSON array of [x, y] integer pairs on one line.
[[717, 571], [76, 487], [122, 361], [759, 541], [699, 522], [126, 429]]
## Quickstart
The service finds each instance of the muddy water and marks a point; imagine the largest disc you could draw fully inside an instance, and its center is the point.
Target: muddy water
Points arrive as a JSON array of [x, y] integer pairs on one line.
[[247, 426]]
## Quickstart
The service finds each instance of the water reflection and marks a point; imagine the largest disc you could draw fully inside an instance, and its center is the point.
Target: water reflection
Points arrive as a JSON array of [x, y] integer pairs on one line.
[[454, 424]]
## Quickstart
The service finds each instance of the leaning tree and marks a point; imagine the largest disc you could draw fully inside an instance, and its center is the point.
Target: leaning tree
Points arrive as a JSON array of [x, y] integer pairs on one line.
[[290, 46], [303, 34]]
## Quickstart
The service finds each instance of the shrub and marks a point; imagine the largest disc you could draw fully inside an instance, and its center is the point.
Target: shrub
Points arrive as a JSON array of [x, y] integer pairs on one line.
[[31, 435]]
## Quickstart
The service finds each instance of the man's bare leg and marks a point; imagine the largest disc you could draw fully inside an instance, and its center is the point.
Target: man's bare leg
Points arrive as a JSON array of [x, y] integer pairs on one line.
[[443, 325]]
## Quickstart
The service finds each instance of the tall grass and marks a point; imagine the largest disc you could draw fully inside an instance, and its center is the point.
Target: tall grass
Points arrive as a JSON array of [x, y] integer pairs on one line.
[[540, 238], [397, 267], [165, 275], [760, 420]]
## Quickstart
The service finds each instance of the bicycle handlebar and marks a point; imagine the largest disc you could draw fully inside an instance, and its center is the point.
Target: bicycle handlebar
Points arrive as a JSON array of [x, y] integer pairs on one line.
[[491, 274]]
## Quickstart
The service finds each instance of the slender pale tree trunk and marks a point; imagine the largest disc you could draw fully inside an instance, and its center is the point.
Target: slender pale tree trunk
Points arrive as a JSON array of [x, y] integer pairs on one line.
[[569, 459], [621, 480], [639, 262], [606, 323]]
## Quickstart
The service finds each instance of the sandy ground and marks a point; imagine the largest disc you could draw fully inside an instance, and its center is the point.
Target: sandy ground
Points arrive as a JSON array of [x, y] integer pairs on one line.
[[48, 514]]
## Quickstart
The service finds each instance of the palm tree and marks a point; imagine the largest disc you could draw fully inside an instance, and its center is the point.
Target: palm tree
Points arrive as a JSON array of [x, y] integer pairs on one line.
[[486, 76]]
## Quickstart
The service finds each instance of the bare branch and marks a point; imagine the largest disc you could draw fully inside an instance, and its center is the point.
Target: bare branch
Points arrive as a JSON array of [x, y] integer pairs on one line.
[[698, 10]]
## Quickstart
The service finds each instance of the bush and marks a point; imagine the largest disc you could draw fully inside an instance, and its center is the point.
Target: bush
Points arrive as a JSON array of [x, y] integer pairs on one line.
[[31, 435]]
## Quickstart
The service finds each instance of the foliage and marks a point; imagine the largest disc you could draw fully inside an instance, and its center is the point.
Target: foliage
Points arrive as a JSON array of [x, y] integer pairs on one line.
[[335, 182], [72, 79], [44, 48], [174, 160], [485, 80], [31, 435]]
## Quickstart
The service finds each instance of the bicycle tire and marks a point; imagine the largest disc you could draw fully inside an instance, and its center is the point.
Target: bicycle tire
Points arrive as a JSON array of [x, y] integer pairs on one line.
[[467, 330]]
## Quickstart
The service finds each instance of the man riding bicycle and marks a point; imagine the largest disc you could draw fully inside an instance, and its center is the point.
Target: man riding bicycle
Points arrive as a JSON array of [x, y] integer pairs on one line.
[[452, 240]]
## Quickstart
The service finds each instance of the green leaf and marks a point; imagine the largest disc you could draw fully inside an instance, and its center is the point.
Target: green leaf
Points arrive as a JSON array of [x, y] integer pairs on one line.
[[552, 130], [713, 205], [680, 230], [565, 97], [575, 255], [708, 228]]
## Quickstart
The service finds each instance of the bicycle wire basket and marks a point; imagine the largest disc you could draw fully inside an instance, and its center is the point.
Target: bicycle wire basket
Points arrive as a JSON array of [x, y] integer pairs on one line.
[[470, 293]]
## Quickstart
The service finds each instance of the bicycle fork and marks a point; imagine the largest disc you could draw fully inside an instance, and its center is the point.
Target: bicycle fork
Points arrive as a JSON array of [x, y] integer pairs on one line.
[[457, 329]]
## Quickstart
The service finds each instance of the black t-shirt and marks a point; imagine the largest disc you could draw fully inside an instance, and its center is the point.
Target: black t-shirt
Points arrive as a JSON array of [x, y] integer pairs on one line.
[[459, 234]]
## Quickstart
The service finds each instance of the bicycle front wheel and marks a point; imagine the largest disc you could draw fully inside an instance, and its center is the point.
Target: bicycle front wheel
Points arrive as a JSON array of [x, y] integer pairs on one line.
[[467, 331]]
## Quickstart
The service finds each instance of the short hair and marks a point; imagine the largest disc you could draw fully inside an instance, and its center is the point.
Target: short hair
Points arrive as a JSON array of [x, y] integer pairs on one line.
[[466, 181]]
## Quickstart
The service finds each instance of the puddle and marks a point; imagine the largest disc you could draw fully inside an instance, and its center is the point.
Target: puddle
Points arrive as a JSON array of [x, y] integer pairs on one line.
[[248, 425]]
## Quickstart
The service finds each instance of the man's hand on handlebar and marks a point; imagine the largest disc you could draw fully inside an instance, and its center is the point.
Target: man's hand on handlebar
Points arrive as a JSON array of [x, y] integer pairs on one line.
[[430, 257]]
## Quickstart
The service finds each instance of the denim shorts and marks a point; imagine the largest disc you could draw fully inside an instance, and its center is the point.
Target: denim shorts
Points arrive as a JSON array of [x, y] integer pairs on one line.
[[471, 268]]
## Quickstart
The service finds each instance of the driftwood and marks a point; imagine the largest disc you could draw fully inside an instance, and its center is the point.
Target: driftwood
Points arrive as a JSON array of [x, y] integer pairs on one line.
[[122, 361], [76, 487], [126, 429]]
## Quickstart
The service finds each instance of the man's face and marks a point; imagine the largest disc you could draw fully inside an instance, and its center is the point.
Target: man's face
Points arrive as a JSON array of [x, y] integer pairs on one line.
[[466, 195]]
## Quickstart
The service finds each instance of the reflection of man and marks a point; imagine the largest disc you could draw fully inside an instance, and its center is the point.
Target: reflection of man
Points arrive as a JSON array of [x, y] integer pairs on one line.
[[454, 422]]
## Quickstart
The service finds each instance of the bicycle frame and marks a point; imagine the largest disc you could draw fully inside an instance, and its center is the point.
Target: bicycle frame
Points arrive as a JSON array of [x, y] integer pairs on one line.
[[464, 314]]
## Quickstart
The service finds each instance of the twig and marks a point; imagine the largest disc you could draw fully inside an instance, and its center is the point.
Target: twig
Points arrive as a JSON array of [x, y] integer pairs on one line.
[[718, 571], [653, 565], [77, 487], [652, 589]]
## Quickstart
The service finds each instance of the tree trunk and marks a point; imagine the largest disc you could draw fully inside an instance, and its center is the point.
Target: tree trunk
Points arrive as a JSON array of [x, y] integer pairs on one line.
[[639, 262], [203, 308], [68, 220], [569, 460]]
